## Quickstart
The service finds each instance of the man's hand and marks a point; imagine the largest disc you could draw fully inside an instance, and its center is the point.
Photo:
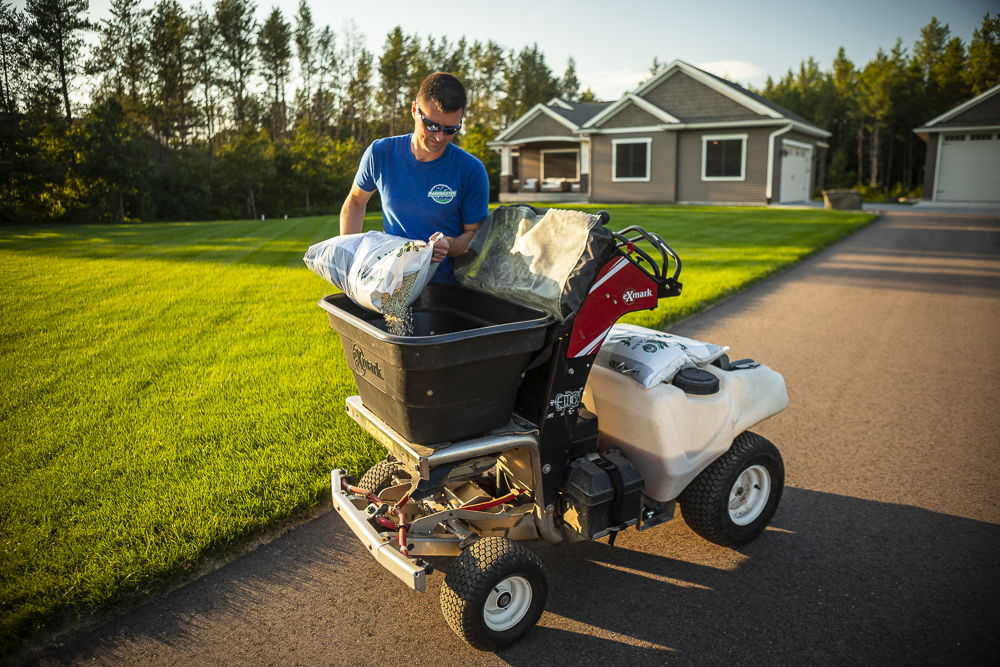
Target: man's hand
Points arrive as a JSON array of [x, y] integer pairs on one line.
[[441, 245], [451, 246]]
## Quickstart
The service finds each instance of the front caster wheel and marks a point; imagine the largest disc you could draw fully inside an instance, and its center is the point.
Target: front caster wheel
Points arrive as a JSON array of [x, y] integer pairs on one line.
[[732, 500], [382, 475], [494, 593]]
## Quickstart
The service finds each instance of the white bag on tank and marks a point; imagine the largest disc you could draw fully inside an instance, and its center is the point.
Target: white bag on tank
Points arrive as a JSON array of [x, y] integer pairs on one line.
[[366, 266], [650, 357]]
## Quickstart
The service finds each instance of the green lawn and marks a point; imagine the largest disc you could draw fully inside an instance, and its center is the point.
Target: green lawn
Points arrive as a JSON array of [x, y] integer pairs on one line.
[[171, 389]]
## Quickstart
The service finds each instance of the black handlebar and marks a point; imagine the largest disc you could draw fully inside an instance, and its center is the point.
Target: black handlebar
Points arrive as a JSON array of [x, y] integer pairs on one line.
[[669, 286]]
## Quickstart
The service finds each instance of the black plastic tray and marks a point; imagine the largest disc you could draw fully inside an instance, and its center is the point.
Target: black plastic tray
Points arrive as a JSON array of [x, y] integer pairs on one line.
[[456, 377]]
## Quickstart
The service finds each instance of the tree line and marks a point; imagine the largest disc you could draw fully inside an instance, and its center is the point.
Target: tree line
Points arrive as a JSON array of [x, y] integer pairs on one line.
[[873, 109], [209, 113]]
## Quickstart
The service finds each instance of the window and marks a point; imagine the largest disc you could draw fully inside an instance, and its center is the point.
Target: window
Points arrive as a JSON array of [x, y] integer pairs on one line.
[[723, 157], [515, 167], [981, 137], [954, 137], [561, 164], [630, 159]]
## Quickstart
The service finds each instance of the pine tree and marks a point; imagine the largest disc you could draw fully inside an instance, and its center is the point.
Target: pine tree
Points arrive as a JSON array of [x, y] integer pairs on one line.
[[393, 70], [55, 30], [121, 55], [237, 30], [14, 62], [984, 56], [305, 49], [274, 43], [172, 59], [569, 85]]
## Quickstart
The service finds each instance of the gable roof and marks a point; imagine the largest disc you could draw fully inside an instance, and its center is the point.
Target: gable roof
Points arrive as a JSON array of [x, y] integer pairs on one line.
[[573, 115], [940, 123], [767, 110], [584, 118]]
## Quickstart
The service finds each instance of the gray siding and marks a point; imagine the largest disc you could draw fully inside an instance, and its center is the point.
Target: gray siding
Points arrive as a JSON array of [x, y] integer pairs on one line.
[[631, 116], [930, 164], [663, 176], [542, 126], [986, 112], [692, 101], [690, 187]]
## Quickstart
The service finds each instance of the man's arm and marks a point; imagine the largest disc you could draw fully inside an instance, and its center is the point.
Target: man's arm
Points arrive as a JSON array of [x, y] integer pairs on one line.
[[352, 213]]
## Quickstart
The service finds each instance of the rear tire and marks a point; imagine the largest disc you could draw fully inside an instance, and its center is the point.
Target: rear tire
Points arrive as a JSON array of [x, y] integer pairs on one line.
[[494, 593], [734, 498]]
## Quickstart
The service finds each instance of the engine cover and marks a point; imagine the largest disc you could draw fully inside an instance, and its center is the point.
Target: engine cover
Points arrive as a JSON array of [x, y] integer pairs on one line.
[[601, 493]]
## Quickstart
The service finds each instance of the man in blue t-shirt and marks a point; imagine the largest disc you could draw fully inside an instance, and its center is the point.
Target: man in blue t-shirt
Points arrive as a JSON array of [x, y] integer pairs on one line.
[[426, 184]]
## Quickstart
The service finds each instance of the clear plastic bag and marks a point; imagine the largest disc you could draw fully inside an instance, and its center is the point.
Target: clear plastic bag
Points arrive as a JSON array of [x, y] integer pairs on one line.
[[371, 265], [547, 259]]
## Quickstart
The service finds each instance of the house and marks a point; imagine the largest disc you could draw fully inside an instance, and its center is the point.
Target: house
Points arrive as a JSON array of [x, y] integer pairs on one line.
[[683, 136], [963, 151]]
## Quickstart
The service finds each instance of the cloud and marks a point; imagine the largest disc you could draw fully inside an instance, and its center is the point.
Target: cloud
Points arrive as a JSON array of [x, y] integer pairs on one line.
[[733, 70], [612, 84]]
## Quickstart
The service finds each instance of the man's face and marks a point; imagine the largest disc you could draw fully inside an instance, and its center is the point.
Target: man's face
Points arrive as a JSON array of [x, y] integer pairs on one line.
[[433, 142]]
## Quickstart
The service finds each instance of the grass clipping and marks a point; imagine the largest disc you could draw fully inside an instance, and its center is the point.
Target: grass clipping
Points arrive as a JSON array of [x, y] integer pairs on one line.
[[397, 312]]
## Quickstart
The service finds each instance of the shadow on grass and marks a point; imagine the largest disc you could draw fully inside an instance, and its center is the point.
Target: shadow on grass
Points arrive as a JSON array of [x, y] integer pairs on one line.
[[837, 580]]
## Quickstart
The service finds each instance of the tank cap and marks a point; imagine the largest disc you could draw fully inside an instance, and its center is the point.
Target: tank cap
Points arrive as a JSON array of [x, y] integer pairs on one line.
[[696, 381]]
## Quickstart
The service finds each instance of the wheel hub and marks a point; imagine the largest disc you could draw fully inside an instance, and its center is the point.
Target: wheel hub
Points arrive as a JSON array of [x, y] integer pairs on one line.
[[749, 495], [507, 603]]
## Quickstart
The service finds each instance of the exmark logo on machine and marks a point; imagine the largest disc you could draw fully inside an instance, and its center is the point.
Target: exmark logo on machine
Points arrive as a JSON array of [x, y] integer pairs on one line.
[[568, 400], [363, 366], [442, 194], [632, 295]]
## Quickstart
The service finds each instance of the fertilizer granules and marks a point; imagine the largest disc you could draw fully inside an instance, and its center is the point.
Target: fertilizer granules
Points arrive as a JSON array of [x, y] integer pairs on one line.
[[398, 314]]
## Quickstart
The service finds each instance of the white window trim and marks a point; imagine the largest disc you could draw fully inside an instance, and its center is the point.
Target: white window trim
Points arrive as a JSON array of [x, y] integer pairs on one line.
[[705, 138], [558, 150], [614, 159]]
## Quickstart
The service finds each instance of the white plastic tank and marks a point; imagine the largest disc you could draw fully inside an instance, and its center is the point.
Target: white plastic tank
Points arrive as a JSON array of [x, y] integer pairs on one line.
[[671, 436]]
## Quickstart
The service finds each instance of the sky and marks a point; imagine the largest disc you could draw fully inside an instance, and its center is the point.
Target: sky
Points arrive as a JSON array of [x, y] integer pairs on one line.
[[614, 41]]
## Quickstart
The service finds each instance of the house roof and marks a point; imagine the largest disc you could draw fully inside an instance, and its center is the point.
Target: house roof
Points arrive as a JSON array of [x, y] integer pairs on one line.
[[587, 117], [965, 114], [573, 115], [768, 103], [580, 112]]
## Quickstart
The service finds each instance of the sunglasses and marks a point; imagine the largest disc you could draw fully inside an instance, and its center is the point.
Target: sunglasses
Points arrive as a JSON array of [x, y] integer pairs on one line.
[[434, 127]]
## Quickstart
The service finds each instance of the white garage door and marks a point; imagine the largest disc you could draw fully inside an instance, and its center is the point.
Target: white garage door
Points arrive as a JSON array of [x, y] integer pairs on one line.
[[968, 167], [796, 163]]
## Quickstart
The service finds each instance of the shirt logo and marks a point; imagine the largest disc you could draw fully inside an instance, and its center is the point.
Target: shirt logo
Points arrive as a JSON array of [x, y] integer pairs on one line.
[[442, 194]]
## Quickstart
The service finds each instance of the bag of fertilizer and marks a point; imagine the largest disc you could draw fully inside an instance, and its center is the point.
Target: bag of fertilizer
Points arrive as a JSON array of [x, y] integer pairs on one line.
[[650, 357], [372, 266]]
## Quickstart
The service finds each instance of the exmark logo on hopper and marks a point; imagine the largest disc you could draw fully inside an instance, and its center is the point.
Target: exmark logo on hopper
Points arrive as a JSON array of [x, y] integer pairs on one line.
[[442, 194], [363, 366], [632, 295]]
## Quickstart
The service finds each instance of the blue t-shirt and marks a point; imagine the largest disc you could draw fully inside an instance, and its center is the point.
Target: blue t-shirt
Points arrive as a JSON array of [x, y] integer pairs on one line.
[[420, 198]]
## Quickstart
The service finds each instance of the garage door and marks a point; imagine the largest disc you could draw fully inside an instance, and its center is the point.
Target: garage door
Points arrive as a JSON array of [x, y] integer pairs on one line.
[[968, 167], [796, 161]]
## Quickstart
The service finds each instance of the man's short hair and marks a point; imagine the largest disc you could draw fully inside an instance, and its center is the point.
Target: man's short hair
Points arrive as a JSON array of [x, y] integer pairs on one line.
[[445, 90]]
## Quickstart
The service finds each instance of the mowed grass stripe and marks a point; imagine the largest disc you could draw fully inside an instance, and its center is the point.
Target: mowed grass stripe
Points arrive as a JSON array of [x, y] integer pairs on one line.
[[172, 389]]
